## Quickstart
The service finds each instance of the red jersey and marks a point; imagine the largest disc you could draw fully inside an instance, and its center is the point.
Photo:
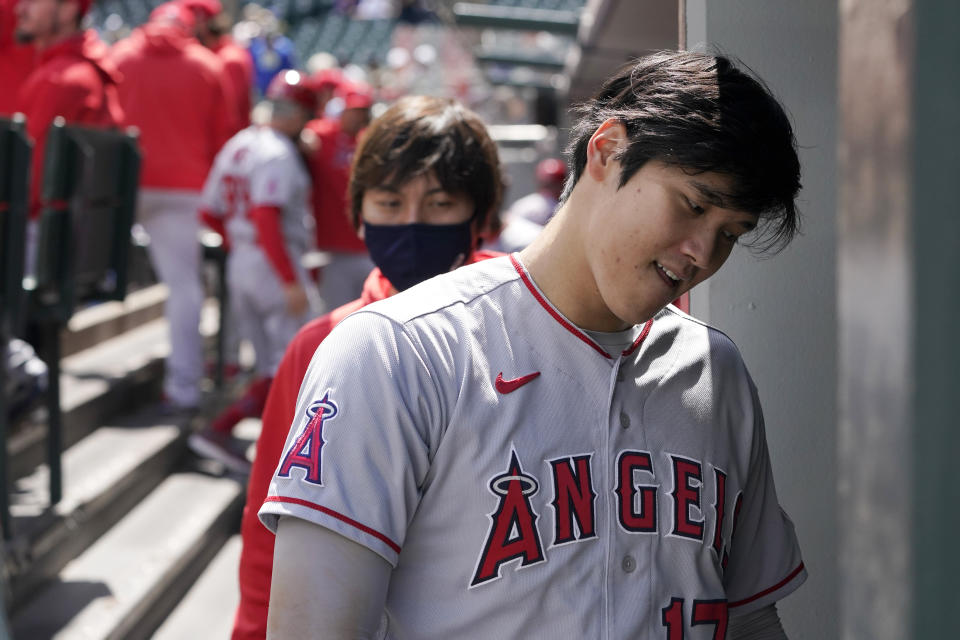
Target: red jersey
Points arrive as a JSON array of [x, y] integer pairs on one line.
[[256, 559], [330, 171], [238, 66], [16, 60], [174, 91], [73, 79]]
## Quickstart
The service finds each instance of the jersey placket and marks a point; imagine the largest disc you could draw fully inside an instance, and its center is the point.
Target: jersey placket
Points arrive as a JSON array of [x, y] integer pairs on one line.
[[630, 556]]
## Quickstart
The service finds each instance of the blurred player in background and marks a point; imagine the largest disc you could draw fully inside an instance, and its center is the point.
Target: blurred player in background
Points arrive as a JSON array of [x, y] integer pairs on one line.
[[16, 59], [211, 27], [257, 196], [73, 78], [336, 140], [425, 185], [325, 82], [526, 217], [174, 90]]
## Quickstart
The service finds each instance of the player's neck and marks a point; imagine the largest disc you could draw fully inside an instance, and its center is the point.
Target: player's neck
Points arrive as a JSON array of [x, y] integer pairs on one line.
[[558, 264]]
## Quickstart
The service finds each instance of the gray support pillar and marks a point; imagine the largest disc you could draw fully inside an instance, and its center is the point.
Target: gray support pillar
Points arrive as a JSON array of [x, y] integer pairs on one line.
[[936, 508], [898, 253], [874, 257]]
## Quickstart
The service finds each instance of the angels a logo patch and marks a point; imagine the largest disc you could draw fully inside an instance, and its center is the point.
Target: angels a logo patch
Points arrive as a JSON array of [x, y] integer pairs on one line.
[[307, 449], [513, 525]]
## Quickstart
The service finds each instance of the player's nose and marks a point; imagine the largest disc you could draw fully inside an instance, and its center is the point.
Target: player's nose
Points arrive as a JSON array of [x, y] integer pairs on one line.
[[698, 245], [414, 213]]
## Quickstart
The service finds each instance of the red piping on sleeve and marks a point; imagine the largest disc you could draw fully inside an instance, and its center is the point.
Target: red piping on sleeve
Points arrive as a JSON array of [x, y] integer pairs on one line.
[[793, 574], [339, 516]]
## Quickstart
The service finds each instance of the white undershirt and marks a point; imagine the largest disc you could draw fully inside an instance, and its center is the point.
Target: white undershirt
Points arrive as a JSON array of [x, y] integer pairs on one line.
[[615, 342]]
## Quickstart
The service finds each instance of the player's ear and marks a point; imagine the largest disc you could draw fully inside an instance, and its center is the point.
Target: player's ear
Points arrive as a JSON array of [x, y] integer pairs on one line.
[[610, 136]]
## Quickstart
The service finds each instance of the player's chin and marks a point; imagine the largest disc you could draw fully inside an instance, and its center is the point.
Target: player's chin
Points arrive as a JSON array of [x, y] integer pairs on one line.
[[639, 314]]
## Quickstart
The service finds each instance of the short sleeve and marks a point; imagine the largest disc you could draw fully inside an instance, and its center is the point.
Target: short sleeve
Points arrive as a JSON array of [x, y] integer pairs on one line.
[[362, 436], [764, 563]]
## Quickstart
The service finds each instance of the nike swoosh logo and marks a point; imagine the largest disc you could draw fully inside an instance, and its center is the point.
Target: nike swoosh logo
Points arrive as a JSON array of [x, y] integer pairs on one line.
[[508, 386]]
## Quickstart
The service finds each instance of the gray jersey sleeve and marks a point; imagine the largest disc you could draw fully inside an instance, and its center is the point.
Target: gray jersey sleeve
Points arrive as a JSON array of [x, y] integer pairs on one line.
[[764, 558], [361, 444]]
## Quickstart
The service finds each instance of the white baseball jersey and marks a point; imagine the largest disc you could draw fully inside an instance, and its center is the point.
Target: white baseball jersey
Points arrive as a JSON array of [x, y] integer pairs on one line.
[[262, 167], [523, 482]]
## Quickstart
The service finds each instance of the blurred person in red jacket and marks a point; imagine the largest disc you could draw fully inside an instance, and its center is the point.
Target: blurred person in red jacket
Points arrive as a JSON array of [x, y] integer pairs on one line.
[[336, 137], [73, 79], [16, 59], [211, 25], [426, 184], [174, 91], [325, 82]]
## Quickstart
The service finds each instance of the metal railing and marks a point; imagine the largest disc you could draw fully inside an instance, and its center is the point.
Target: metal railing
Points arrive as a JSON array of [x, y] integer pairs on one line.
[[88, 201]]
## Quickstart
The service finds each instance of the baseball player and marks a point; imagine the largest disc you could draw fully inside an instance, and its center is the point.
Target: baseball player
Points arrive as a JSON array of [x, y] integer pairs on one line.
[[16, 59], [336, 139], [211, 28], [538, 445], [259, 190], [528, 215], [173, 92], [395, 179], [72, 78]]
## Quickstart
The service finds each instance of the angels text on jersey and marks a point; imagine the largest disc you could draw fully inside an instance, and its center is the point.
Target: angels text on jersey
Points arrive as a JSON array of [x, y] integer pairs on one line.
[[702, 510]]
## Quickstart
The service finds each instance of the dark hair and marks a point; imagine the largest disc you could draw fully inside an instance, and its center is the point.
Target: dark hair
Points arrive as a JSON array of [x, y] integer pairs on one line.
[[702, 113], [420, 134]]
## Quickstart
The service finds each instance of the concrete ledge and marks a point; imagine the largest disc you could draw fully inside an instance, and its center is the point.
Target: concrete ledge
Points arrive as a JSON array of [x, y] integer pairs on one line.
[[128, 581], [96, 384], [105, 475], [211, 603], [101, 322]]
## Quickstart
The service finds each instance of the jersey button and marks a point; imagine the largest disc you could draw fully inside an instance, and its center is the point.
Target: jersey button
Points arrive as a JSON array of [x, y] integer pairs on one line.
[[629, 564], [624, 420]]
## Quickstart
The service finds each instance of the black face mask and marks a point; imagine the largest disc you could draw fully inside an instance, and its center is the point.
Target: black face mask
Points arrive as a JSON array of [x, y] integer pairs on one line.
[[408, 254]]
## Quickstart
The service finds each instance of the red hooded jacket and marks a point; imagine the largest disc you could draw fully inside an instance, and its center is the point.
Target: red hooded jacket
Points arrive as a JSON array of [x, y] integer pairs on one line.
[[75, 80], [330, 171], [16, 60], [174, 91], [238, 66]]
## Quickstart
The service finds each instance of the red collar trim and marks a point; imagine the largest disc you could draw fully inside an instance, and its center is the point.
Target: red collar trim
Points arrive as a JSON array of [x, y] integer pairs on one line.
[[566, 324], [553, 312], [640, 338]]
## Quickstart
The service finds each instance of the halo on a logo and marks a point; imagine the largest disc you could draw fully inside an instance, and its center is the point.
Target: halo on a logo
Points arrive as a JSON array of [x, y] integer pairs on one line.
[[501, 484], [326, 405]]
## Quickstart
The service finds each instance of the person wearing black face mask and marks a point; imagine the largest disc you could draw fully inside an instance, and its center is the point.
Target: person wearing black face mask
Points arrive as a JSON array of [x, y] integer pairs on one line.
[[418, 230], [425, 186]]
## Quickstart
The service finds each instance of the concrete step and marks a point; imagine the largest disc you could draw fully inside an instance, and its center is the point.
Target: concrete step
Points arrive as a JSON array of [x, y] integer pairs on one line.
[[208, 609], [104, 476], [90, 326], [126, 583], [116, 375]]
